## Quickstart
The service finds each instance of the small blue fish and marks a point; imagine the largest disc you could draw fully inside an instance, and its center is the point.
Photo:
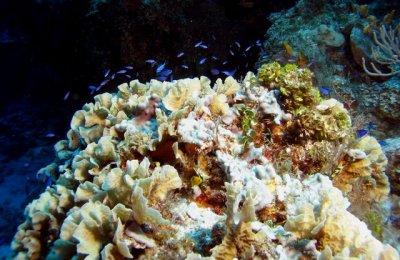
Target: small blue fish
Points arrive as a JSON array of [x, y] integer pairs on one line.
[[198, 44], [310, 64], [258, 43], [371, 125], [383, 143], [248, 48], [393, 218], [92, 88], [202, 60], [228, 72], [237, 44], [231, 52], [291, 60], [150, 61], [128, 76], [185, 66], [113, 76], [129, 67], [107, 73], [324, 90], [361, 133], [48, 182], [50, 135], [160, 67], [214, 58], [104, 82], [66, 96], [165, 72], [180, 54], [213, 37], [162, 78], [225, 62], [121, 71], [203, 46], [214, 71]]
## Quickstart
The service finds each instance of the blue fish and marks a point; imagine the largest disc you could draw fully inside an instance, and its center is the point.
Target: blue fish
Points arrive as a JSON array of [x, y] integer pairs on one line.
[[225, 62], [248, 48], [198, 44], [107, 73], [48, 182], [180, 54], [213, 37], [203, 46], [202, 60], [66, 96], [50, 135], [393, 218], [231, 52], [121, 71], [160, 67], [237, 44], [150, 61], [214, 58], [371, 125], [324, 90], [165, 72], [185, 66], [162, 78], [361, 133], [104, 82], [228, 72], [92, 88], [214, 71], [129, 67], [258, 43], [128, 76], [383, 143]]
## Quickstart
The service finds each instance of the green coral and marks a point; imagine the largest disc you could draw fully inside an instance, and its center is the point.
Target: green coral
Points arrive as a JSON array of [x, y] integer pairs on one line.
[[294, 83], [248, 120], [330, 121], [374, 221]]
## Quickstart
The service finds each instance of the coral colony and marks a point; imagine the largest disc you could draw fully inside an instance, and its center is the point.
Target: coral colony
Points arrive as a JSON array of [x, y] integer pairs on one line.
[[263, 168]]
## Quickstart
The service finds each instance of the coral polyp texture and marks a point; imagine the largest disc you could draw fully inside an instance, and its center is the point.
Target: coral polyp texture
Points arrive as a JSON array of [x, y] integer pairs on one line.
[[193, 170]]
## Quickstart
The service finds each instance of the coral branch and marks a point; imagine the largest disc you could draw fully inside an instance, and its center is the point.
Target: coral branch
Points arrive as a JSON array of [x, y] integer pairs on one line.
[[386, 52]]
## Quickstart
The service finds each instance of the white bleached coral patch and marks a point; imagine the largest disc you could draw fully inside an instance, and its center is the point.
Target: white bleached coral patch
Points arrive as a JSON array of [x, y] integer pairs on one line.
[[269, 105], [239, 174]]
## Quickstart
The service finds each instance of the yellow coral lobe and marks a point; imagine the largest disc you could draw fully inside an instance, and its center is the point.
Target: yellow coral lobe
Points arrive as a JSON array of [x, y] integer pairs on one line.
[[288, 48]]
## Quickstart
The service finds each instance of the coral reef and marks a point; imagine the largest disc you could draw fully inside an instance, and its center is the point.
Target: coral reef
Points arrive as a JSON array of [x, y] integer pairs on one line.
[[186, 169], [352, 50]]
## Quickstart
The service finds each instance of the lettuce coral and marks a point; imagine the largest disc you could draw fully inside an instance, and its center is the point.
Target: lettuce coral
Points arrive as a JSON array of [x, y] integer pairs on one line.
[[124, 176]]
